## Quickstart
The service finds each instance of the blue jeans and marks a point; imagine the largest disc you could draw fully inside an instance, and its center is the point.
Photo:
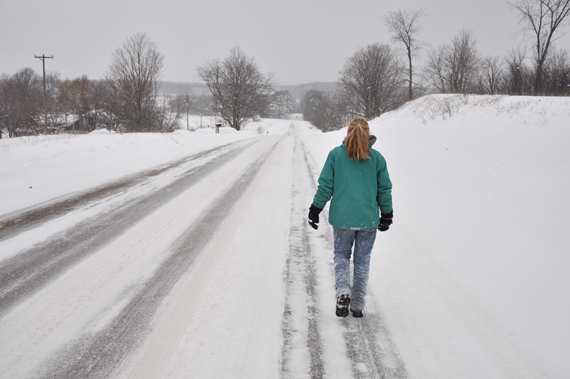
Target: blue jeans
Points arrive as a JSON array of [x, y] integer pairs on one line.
[[363, 241]]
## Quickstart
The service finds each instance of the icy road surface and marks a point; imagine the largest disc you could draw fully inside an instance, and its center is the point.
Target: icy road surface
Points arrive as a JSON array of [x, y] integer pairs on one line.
[[185, 271]]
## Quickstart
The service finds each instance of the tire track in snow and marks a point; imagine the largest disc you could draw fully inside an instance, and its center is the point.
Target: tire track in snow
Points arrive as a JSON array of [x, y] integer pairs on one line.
[[19, 221], [300, 282], [369, 348], [103, 354], [29, 271]]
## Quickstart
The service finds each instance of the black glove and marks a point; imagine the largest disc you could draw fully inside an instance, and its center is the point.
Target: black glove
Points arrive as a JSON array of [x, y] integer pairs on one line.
[[385, 221], [314, 216]]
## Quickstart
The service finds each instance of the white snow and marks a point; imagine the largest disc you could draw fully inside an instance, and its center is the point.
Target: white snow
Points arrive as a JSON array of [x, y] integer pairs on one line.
[[37, 169], [484, 204], [474, 274], [472, 278]]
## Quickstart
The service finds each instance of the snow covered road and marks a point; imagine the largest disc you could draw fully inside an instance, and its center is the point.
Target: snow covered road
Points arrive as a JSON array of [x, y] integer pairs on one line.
[[180, 271], [99, 216], [310, 328]]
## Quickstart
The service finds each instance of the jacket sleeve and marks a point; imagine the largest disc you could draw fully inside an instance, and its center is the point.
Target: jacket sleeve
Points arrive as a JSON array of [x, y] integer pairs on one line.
[[326, 183], [384, 196]]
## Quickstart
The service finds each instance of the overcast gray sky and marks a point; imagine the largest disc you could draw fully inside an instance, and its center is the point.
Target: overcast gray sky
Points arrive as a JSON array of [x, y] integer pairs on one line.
[[300, 41]]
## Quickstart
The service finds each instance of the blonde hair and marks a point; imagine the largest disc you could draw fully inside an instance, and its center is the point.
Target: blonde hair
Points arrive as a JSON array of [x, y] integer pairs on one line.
[[357, 140]]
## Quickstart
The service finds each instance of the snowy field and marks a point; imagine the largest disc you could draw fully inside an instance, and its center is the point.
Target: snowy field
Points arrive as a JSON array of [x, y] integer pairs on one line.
[[471, 281]]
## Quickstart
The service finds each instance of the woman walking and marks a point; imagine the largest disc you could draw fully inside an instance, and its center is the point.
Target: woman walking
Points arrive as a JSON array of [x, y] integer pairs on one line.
[[356, 178]]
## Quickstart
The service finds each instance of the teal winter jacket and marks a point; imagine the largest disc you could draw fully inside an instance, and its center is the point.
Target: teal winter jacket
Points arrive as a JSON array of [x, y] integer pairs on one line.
[[358, 189]]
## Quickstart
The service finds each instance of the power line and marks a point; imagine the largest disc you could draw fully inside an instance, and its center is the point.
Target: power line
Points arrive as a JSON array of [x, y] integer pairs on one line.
[[62, 61], [14, 49]]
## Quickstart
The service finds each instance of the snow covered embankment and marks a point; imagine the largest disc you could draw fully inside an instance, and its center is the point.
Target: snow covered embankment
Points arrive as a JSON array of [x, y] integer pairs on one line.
[[473, 276]]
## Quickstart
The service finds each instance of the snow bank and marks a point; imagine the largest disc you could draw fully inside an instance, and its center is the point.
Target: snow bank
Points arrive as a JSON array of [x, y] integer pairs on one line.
[[482, 186], [473, 275], [103, 131], [223, 130]]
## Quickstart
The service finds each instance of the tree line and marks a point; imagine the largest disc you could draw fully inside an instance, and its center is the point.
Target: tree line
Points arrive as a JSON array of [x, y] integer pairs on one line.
[[378, 78], [127, 99]]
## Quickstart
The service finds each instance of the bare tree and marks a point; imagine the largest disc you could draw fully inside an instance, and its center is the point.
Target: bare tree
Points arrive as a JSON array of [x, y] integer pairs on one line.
[[339, 111], [454, 67], [75, 98], [52, 87], [557, 73], [463, 62], [517, 75], [404, 26], [328, 111], [170, 112], [87, 102], [313, 107], [101, 100], [371, 80], [435, 71], [282, 104], [239, 90], [134, 79], [21, 102], [492, 74], [541, 18], [66, 99]]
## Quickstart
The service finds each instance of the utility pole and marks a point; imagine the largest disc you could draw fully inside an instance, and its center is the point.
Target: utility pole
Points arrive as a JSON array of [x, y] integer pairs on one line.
[[43, 58]]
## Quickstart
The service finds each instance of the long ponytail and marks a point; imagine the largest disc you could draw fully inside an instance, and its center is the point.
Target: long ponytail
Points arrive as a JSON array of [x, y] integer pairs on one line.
[[357, 140]]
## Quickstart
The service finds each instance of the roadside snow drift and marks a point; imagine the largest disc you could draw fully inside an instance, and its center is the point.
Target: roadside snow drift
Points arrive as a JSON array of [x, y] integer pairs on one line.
[[475, 272]]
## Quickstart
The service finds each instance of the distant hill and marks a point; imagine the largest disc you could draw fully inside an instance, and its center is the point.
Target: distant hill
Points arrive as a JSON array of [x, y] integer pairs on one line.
[[298, 90]]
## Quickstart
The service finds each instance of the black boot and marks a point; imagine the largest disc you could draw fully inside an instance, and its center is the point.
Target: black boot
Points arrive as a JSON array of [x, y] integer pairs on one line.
[[342, 303], [357, 314]]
